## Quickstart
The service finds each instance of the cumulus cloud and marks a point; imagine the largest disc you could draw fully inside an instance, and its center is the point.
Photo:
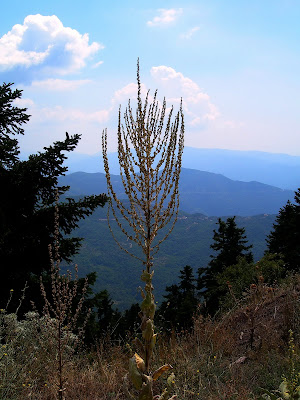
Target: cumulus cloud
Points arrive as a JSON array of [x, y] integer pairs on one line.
[[190, 33], [128, 92], [59, 84], [197, 104], [165, 17], [43, 41]]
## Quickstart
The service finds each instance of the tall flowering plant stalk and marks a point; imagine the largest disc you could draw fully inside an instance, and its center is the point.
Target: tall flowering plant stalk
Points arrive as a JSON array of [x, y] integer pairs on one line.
[[150, 146]]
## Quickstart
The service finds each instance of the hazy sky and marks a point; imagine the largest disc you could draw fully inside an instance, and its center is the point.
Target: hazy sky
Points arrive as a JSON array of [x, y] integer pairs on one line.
[[235, 63]]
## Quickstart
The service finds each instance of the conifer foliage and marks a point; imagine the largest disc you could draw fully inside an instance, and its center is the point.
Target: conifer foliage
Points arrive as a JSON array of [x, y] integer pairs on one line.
[[230, 244], [27, 203], [285, 237], [11, 120], [181, 302]]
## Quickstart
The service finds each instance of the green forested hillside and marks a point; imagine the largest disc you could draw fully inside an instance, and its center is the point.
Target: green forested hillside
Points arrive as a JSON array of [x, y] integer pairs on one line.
[[189, 244]]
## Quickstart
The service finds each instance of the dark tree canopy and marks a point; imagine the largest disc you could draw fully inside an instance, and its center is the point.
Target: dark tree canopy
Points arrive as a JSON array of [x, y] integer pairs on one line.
[[285, 237], [181, 302], [11, 120], [27, 202], [230, 243]]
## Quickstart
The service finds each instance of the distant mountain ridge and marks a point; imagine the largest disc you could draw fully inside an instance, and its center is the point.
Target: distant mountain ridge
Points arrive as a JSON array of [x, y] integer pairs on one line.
[[200, 192], [280, 170]]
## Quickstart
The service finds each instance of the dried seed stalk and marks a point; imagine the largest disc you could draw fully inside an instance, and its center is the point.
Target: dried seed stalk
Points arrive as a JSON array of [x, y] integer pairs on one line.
[[150, 147]]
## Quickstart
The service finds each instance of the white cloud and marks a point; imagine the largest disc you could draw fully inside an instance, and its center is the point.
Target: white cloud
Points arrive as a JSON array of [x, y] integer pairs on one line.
[[165, 17], [59, 84], [128, 92], [204, 124], [97, 64], [60, 113], [197, 105], [48, 124], [43, 41], [190, 33], [24, 102]]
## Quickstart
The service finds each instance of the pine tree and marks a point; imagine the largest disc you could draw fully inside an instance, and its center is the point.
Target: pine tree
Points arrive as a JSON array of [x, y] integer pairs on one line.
[[103, 317], [285, 237], [230, 243], [28, 202], [180, 306], [187, 280], [11, 120]]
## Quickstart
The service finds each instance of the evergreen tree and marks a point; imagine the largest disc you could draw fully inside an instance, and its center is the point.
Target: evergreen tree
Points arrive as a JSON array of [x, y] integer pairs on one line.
[[181, 302], [11, 120], [230, 243], [103, 318], [187, 281], [285, 237], [129, 322], [28, 202]]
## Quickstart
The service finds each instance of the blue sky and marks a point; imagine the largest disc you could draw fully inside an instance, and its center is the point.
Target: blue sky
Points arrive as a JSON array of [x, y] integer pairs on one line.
[[235, 63]]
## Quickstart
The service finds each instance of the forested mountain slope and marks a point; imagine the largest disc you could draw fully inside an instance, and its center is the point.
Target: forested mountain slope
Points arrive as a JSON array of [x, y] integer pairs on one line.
[[189, 244]]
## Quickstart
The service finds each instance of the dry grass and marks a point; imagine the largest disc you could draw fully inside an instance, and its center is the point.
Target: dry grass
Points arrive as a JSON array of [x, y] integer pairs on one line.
[[217, 360]]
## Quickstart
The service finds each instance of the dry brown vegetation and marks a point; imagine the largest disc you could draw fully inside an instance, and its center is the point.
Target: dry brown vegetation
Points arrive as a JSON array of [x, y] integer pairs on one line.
[[230, 357]]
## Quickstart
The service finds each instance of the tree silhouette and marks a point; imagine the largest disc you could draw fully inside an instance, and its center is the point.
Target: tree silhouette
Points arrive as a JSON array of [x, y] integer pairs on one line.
[[27, 204], [285, 237], [11, 120], [181, 301], [230, 243]]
